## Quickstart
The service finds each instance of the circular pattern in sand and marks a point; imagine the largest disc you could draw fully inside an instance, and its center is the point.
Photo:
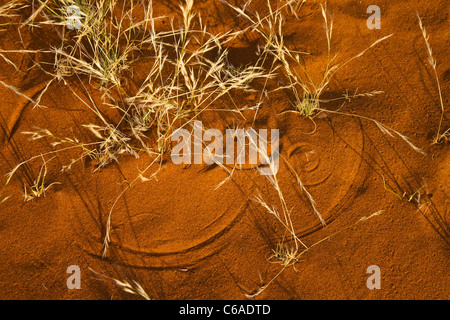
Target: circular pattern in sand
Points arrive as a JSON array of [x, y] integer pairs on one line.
[[169, 223], [180, 219]]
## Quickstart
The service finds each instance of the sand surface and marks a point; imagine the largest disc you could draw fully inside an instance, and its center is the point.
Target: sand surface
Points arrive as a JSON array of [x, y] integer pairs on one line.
[[181, 238]]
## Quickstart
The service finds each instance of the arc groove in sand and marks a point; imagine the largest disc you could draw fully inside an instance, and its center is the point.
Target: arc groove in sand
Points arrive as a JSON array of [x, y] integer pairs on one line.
[[202, 244], [331, 167]]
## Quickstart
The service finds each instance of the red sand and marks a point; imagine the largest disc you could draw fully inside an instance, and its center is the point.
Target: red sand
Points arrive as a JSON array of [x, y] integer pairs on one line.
[[181, 239]]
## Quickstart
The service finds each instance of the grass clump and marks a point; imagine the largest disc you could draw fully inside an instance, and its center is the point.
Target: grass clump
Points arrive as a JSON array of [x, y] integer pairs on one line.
[[39, 186]]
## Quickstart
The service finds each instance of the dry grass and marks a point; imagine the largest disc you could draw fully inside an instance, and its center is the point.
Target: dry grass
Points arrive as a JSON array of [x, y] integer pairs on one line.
[[133, 287], [307, 91], [287, 256], [39, 186], [440, 137], [182, 83]]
